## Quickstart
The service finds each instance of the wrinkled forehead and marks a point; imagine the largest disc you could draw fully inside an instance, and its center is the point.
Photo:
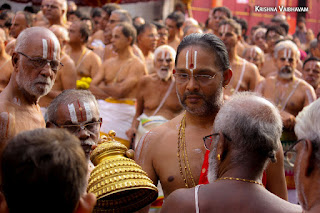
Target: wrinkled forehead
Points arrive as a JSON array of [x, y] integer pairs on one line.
[[51, 2], [77, 111]]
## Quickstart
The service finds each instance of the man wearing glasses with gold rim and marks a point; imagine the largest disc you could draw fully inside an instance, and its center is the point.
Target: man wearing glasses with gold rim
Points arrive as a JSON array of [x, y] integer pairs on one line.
[[77, 111], [36, 61], [304, 156]]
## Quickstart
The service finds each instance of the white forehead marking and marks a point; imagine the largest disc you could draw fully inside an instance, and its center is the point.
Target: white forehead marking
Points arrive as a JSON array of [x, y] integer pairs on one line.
[[55, 50], [195, 60], [314, 66], [285, 54], [44, 48], [187, 58], [88, 111], [289, 53], [73, 114], [163, 55]]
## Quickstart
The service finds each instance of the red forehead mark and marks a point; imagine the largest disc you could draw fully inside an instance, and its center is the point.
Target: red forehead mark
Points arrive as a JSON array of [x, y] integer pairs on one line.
[[191, 64], [174, 71], [80, 109]]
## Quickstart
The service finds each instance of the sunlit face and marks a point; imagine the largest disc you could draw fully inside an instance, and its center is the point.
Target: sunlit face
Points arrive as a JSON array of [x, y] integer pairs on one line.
[[254, 56], [119, 40], [113, 20], [164, 64], [74, 32], [215, 19], [172, 27], [228, 35], [37, 81], [260, 40], [76, 113], [163, 36], [311, 73], [148, 39], [272, 37], [198, 97], [19, 23], [286, 63], [52, 9]]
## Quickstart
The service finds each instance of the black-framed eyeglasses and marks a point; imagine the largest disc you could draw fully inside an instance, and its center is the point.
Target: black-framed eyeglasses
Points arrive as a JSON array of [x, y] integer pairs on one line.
[[41, 62], [185, 77], [290, 154], [91, 127]]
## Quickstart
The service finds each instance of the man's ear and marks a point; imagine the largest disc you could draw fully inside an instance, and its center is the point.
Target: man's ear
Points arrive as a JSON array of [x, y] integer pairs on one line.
[[222, 146], [86, 203], [227, 77], [14, 60], [308, 160]]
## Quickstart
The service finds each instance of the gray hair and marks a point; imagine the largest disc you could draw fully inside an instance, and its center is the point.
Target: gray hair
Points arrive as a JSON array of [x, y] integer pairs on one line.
[[286, 44], [24, 37], [254, 126], [123, 15], [308, 126], [162, 48], [313, 44], [66, 97]]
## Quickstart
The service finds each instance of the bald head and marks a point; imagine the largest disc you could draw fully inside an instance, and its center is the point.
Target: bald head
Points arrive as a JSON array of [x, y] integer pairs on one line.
[[61, 33], [37, 33]]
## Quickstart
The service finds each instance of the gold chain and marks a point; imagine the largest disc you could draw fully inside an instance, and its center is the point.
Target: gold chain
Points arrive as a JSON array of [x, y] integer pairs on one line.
[[239, 179], [183, 149]]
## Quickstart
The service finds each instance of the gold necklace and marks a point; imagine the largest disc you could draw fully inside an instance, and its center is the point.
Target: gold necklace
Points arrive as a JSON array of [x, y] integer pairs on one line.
[[183, 156], [239, 179]]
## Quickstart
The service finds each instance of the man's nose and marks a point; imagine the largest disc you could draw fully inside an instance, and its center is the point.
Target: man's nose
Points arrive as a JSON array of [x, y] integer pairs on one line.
[[193, 84], [83, 134]]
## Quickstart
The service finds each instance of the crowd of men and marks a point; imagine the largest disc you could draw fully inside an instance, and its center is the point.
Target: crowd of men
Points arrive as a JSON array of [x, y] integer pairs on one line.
[[200, 104]]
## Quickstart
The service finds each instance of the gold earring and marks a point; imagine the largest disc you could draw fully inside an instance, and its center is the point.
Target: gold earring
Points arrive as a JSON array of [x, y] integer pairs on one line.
[[218, 156]]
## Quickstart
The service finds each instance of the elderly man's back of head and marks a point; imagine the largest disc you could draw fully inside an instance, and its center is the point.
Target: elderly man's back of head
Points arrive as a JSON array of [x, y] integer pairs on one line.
[[44, 170]]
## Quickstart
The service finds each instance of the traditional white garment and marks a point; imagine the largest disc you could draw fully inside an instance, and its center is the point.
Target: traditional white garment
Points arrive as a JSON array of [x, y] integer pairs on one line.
[[196, 198], [117, 115], [146, 124]]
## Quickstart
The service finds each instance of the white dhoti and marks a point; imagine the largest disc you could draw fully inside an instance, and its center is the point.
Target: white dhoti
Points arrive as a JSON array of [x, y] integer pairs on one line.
[[146, 124], [44, 113], [117, 115]]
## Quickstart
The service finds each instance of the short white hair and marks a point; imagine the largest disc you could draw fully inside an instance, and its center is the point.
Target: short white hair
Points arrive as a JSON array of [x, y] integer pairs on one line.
[[163, 48], [287, 44], [259, 30], [308, 125]]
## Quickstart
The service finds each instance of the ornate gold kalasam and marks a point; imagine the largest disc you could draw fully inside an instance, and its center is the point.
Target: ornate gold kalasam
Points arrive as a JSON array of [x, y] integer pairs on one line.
[[119, 182]]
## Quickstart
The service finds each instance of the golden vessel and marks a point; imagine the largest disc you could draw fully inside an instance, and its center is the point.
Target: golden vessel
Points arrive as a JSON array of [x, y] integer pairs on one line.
[[119, 182]]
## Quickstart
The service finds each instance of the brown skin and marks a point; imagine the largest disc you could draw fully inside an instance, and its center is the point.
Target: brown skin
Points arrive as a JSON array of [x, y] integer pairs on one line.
[[251, 75], [151, 90], [215, 19], [307, 177], [19, 108], [66, 79], [55, 13], [88, 65], [173, 39], [118, 76], [272, 88], [229, 195], [311, 73], [147, 42], [161, 142], [6, 66], [19, 23]]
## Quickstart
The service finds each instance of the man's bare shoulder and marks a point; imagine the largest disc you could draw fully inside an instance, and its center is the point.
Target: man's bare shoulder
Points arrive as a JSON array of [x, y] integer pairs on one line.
[[305, 85], [109, 61], [94, 56], [169, 128], [181, 200]]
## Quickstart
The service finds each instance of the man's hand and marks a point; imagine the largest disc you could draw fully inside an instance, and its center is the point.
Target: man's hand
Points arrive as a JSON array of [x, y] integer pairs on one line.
[[131, 133], [288, 120]]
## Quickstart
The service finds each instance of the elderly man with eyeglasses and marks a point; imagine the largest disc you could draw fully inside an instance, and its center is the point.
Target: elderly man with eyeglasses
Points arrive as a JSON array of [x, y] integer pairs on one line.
[[55, 11], [246, 137], [77, 111], [304, 156], [35, 61]]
